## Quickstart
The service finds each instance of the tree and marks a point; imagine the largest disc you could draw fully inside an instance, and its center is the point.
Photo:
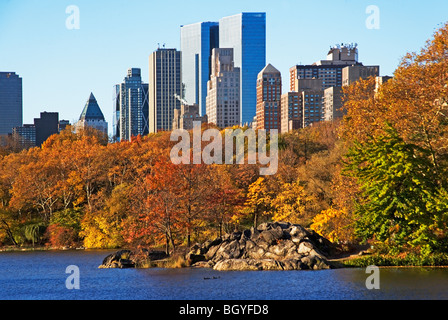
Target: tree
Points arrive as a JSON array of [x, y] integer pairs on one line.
[[399, 184], [258, 201], [291, 202]]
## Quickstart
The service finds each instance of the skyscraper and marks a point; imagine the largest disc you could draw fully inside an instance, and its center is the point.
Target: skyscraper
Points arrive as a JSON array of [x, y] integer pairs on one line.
[[246, 34], [130, 106], [91, 117], [269, 92], [223, 91], [165, 88], [196, 44], [11, 109]]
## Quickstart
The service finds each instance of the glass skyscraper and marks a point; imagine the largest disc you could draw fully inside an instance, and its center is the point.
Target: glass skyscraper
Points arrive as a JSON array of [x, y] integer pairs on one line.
[[130, 107], [246, 34], [197, 42], [11, 110]]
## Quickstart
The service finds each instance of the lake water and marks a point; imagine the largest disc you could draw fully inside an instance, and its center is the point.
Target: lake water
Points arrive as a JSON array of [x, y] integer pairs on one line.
[[42, 276]]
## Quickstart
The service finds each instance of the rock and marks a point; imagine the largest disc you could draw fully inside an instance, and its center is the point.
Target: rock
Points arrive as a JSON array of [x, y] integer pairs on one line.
[[270, 246], [118, 259], [194, 258], [131, 259], [305, 247], [272, 235]]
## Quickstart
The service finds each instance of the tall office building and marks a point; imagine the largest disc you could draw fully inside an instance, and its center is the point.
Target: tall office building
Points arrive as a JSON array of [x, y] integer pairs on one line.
[[223, 91], [269, 92], [246, 34], [92, 117], [130, 106], [11, 109], [329, 70], [196, 44], [310, 100], [165, 88]]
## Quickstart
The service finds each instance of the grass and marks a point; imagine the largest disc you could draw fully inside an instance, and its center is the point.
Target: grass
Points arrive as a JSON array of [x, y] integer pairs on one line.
[[411, 259]]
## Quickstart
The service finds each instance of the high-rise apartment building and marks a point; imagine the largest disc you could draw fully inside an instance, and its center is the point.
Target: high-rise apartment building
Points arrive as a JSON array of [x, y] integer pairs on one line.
[[269, 92], [164, 88], [291, 111], [223, 90], [310, 100], [196, 44], [246, 34], [92, 117], [11, 108], [130, 107], [329, 70]]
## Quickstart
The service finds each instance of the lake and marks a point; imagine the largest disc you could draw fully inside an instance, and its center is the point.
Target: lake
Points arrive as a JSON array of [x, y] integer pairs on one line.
[[41, 275]]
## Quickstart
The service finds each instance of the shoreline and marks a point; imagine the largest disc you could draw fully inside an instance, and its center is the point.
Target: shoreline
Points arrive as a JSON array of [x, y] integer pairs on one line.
[[357, 260]]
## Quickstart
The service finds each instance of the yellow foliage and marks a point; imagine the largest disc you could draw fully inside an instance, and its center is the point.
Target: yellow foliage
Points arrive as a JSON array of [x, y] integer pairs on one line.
[[333, 224], [290, 203]]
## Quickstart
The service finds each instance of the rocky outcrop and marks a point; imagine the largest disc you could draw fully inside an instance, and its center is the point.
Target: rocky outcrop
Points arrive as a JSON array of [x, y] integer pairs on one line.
[[131, 259], [270, 246]]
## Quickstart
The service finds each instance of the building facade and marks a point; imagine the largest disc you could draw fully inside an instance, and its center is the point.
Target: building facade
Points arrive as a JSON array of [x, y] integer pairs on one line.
[[164, 88], [130, 107], [196, 44], [223, 90], [269, 92], [246, 34], [11, 102], [91, 117]]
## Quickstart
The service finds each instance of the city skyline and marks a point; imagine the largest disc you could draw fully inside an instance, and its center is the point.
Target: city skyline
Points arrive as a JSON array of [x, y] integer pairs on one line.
[[39, 45]]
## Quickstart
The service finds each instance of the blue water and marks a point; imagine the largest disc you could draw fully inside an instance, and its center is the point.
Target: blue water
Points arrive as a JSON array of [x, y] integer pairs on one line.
[[42, 276]]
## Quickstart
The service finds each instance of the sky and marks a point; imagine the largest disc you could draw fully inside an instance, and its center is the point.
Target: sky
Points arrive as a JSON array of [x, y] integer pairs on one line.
[[61, 66]]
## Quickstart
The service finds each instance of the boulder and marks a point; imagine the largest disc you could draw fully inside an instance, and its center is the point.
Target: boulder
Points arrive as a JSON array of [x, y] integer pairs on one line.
[[270, 246]]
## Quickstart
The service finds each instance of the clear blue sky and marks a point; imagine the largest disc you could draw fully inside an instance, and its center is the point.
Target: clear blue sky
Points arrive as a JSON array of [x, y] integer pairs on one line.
[[60, 67]]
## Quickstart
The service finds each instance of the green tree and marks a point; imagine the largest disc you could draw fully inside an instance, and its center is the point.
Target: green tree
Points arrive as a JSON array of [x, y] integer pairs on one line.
[[402, 202]]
